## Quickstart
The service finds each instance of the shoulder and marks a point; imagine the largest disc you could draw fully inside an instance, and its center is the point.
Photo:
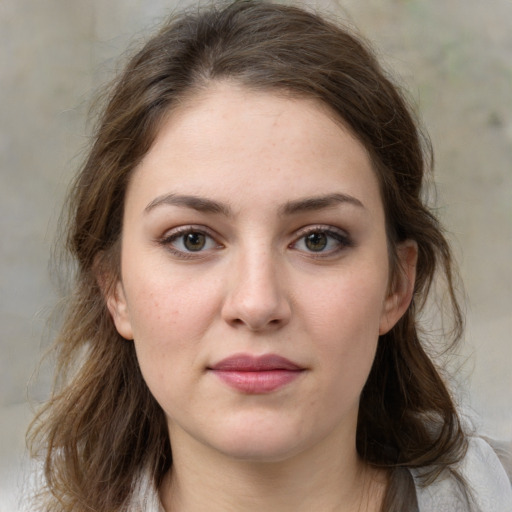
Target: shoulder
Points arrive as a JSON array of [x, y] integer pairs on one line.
[[487, 481], [486, 477]]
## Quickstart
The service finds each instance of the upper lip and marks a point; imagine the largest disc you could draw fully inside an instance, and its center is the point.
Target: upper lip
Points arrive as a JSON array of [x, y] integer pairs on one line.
[[250, 363]]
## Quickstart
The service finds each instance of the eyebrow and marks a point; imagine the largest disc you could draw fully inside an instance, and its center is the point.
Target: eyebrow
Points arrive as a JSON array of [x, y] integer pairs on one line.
[[205, 205], [319, 203], [201, 204]]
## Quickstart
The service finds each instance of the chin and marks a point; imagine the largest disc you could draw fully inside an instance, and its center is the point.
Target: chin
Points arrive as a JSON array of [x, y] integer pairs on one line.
[[259, 443]]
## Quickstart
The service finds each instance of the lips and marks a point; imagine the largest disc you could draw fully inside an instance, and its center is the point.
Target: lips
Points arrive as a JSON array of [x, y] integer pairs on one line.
[[256, 375]]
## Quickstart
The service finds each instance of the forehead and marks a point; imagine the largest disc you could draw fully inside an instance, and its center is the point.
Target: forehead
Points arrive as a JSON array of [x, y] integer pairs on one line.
[[236, 142]]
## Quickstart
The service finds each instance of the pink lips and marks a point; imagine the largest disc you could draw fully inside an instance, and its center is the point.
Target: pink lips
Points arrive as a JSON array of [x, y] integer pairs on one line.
[[256, 375]]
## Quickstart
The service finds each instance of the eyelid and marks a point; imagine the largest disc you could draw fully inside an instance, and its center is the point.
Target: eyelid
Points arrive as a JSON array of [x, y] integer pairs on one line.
[[342, 237], [326, 228], [175, 233]]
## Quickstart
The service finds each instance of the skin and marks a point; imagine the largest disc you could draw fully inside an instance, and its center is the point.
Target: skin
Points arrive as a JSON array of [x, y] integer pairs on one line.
[[257, 287]]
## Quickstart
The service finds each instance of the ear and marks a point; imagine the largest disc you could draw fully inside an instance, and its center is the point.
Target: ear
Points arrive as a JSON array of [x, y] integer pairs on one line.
[[118, 308], [402, 288], [114, 294]]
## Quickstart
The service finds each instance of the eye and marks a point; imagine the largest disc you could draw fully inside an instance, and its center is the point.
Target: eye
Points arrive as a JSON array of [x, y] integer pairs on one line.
[[188, 240], [316, 241], [193, 241], [322, 241]]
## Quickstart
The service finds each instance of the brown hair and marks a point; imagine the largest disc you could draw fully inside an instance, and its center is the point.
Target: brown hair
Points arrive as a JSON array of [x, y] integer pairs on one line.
[[101, 428]]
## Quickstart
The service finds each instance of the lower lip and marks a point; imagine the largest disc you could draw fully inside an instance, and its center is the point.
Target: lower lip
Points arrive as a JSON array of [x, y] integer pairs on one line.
[[257, 382]]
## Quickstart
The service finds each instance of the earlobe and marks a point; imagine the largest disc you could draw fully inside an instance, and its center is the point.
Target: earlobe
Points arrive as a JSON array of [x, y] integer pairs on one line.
[[118, 308], [402, 289]]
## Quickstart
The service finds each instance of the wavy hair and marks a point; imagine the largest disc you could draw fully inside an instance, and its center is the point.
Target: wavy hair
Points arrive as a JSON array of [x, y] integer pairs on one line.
[[102, 428]]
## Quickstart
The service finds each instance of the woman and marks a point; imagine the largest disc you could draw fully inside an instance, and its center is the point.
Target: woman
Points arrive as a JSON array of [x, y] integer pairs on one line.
[[252, 255]]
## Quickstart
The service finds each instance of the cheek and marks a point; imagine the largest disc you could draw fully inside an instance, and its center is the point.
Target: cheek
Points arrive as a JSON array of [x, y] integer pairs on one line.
[[168, 303], [169, 317], [352, 303], [344, 320], [168, 326]]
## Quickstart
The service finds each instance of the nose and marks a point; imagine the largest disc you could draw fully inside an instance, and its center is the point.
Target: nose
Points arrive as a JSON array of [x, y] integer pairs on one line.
[[256, 297]]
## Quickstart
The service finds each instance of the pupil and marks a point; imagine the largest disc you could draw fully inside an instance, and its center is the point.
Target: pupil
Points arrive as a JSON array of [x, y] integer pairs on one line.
[[194, 241], [316, 241]]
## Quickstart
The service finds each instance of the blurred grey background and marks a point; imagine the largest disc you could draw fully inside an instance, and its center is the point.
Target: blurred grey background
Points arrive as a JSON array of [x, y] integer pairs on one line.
[[455, 58]]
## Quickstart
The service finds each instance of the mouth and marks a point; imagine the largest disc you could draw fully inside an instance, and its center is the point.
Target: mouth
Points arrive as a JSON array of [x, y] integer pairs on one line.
[[256, 375]]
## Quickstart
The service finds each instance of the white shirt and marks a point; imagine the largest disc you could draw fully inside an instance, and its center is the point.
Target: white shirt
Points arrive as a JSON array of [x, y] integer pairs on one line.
[[486, 479], [484, 474]]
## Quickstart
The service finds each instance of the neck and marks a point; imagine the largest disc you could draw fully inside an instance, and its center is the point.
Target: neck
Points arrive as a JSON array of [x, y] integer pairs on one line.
[[317, 480]]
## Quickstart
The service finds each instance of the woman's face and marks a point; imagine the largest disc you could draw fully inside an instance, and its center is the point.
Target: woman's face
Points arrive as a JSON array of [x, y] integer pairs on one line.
[[255, 274]]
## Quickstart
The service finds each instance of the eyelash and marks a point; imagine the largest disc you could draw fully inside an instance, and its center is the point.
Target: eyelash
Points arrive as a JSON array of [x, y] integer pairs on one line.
[[341, 238], [167, 241]]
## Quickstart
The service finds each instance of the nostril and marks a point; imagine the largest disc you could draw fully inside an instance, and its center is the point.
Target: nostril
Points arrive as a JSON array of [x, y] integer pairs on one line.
[[257, 305]]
